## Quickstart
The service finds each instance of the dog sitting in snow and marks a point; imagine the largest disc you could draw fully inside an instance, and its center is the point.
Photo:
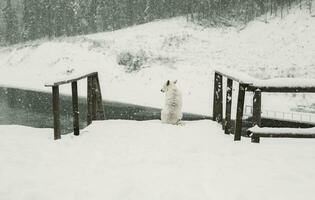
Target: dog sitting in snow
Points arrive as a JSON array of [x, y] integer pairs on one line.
[[172, 111]]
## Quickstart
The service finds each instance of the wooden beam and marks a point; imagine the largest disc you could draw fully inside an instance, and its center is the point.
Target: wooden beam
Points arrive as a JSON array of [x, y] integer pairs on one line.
[[89, 99], [255, 137], [70, 80], [95, 108], [228, 108], [100, 114], [215, 101], [75, 108], [239, 112], [283, 135], [256, 112], [93, 98], [234, 78], [56, 112], [283, 89], [220, 99], [217, 98]]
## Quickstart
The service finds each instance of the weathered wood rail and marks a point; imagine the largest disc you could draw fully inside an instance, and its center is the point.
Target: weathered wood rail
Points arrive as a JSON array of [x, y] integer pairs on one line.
[[256, 133], [218, 102], [249, 84], [94, 101]]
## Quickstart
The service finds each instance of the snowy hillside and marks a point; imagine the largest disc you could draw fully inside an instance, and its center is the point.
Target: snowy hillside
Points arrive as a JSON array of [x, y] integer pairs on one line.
[[169, 49]]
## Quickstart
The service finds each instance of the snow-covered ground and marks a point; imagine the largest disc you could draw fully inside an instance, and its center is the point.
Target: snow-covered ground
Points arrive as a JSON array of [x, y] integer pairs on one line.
[[150, 160], [175, 49]]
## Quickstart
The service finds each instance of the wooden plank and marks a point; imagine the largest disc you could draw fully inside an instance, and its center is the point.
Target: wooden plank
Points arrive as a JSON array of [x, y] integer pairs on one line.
[[283, 135], [228, 108], [255, 137], [95, 109], [100, 114], [220, 99], [283, 89], [252, 85], [239, 112], [70, 80], [56, 112], [256, 112], [75, 108], [93, 98], [234, 78], [215, 89], [89, 99], [217, 98]]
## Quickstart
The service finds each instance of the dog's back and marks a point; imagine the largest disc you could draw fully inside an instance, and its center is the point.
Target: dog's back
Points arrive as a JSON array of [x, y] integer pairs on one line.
[[172, 111]]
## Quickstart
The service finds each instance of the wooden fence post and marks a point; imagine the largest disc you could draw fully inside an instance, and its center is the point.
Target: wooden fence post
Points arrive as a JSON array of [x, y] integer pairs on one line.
[[215, 89], [95, 102], [220, 100], [75, 108], [93, 98], [95, 108], [217, 98], [256, 112], [56, 112], [89, 99], [99, 109], [228, 108], [239, 112]]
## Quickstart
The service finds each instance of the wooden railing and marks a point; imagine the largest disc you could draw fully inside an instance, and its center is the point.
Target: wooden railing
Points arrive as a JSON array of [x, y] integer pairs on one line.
[[250, 84], [94, 101], [218, 102]]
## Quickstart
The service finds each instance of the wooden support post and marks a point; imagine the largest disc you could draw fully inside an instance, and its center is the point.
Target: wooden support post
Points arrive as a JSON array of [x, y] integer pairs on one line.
[[93, 98], [89, 99], [215, 89], [100, 114], [75, 108], [255, 139], [95, 103], [220, 100], [228, 108], [95, 108], [239, 112], [256, 112], [217, 98], [56, 112]]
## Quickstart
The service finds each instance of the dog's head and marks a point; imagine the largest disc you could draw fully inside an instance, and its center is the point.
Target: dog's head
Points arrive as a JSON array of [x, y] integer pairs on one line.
[[169, 84]]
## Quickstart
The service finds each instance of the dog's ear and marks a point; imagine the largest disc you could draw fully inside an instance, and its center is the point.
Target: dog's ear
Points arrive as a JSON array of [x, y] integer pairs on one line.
[[168, 83], [175, 82]]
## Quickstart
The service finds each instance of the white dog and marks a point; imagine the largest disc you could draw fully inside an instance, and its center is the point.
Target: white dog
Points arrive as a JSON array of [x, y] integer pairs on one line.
[[172, 111]]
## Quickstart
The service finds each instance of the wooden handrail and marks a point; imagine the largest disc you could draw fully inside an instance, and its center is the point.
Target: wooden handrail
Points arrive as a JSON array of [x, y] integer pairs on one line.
[[243, 79], [269, 85], [71, 80], [218, 102], [256, 133], [247, 83], [94, 102], [282, 89]]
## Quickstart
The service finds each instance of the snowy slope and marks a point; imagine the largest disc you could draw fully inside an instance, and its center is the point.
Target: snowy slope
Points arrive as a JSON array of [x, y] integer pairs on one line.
[[123, 160], [175, 49]]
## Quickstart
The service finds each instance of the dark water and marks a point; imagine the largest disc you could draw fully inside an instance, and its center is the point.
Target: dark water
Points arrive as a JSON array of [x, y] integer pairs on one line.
[[31, 108]]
